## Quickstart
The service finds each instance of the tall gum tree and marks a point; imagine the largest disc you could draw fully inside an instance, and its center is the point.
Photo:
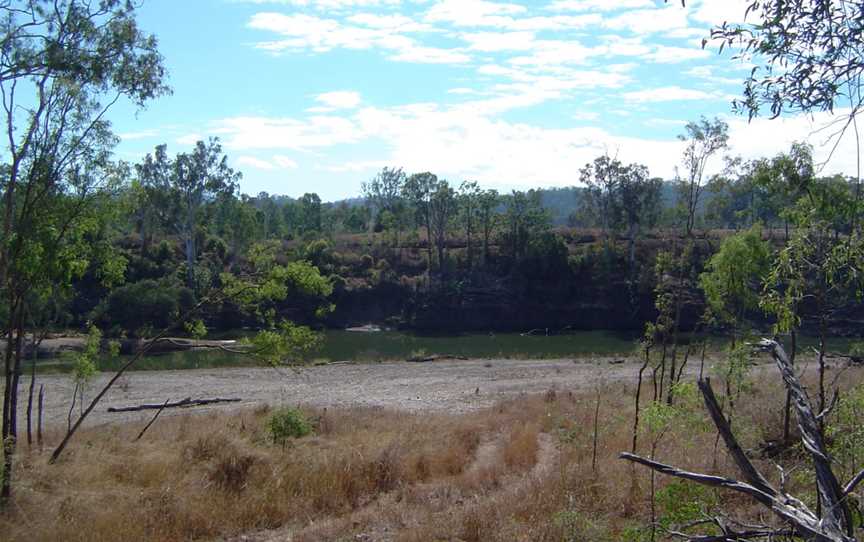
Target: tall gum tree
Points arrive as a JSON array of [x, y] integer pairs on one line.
[[63, 65], [188, 182]]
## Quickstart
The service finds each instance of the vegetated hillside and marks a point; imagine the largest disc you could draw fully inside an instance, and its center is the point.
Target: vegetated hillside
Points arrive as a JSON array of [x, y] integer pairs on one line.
[[572, 280]]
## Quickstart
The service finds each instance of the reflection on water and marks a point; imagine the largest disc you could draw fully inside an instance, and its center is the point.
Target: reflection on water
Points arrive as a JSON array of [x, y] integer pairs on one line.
[[397, 345]]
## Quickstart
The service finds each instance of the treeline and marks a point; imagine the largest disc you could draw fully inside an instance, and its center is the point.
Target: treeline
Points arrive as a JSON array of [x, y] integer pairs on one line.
[[415, 250]]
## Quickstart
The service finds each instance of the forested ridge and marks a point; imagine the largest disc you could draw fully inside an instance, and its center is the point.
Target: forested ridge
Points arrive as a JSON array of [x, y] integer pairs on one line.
[[415, 252]]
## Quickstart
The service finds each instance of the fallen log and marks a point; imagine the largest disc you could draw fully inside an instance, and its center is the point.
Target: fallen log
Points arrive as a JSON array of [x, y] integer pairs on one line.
[[188, 402]]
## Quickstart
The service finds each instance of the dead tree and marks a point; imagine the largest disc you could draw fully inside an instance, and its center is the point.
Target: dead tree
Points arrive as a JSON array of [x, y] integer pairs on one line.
[[835, 523]]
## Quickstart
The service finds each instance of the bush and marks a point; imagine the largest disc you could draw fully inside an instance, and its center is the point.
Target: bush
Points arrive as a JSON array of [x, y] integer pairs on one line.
[[286, 423], [143, 304]]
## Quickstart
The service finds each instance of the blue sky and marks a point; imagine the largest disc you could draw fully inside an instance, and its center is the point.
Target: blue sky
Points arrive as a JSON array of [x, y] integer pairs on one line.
[[316, 96]]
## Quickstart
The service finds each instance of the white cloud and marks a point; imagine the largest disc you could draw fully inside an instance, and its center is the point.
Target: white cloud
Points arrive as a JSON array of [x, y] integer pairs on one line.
[[189, 139], [257, 163], [339, 99], [285, 162], [667, 94], [598, 5], [500, 41], [247, 133], [650, 21], [716, 12], [302, 32], [429, 55], [665, 54], [462, 90], [480, 13], [763, 137], [325, 4], [586, 116], [708, 73], [395, 22], [143, 134]]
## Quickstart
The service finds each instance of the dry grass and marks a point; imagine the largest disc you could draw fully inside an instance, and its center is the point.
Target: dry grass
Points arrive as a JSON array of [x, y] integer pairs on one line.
[[519, 471]]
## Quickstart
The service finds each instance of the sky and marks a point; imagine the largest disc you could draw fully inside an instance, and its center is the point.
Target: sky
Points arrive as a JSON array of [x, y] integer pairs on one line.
[[319, 95]]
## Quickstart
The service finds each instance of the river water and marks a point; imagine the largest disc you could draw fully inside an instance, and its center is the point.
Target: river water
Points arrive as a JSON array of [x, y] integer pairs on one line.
[[397, 345]]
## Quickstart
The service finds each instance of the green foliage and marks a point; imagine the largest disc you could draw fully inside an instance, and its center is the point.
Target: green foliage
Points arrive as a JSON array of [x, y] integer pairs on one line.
[[85, 363], [733, 277], [144, 304], [657, 417], [845, 432], [683, 502], [287, 344], [287, 423], [735, 367], [196, 328]]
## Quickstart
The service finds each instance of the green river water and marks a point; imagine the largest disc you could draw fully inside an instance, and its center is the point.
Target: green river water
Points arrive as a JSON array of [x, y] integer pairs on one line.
[[396, 345]]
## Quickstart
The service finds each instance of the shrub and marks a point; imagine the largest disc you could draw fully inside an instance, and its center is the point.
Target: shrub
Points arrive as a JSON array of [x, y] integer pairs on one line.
[[286, 423], [146, 303]]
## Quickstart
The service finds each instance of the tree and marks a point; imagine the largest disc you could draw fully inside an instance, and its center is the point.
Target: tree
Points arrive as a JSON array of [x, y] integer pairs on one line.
[[442, 209], [310, 213], [733, 278], [524, 220], [835, 523], [602, 180], [637, 204], [63, 64], [487, 203], [703, 138], [384, 192], [469, 211], [809, 55], [418, 190], [188, 182]]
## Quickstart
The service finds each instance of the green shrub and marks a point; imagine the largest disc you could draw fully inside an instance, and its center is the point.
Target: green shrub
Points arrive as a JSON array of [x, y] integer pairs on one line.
[[684, 502], [286, 423], [143, 304]]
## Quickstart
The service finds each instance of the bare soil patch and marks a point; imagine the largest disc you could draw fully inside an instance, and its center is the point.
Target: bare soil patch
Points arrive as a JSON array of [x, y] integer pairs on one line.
[[440, 386]]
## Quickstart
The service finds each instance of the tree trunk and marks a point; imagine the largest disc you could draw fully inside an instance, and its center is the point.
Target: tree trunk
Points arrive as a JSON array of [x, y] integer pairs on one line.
[[39, 417], [190, 260]]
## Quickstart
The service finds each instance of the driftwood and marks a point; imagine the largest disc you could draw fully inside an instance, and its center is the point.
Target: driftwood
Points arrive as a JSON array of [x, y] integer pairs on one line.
[[152, 421], [836, 523], [188, 402], [433, 357]]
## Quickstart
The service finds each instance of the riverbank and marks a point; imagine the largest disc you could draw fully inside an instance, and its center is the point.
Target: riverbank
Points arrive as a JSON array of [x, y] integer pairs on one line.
[[472, 450], [439, 386]]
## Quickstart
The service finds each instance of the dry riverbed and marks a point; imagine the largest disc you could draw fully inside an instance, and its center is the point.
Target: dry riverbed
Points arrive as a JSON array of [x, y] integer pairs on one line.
[[438, 386], [442, 385]]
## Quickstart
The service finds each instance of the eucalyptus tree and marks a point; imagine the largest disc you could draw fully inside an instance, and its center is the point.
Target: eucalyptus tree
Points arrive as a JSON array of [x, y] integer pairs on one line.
[[442, 210], [385, 193], [487, 203], [524, 219], [703, 140], [637, 205], [310, 212], [602, 179], [63, 65], [418, 190], [469, 214], [187, 183]]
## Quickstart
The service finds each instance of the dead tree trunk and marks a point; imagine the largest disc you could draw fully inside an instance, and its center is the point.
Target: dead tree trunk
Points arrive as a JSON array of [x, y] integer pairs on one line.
[[836, 523]]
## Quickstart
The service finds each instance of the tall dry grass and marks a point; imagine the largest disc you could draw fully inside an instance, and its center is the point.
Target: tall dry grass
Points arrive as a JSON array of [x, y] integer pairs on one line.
[[518, 471]]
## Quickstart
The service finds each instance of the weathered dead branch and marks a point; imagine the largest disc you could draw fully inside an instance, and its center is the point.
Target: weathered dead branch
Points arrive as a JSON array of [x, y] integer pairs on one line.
[[187, 402], [835, 525]]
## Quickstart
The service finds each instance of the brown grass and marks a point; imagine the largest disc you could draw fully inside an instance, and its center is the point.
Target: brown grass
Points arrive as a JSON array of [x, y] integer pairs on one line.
[[519, 471]]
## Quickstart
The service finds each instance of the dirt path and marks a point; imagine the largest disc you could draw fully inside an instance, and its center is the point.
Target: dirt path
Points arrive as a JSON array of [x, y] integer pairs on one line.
[[447, 385]]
